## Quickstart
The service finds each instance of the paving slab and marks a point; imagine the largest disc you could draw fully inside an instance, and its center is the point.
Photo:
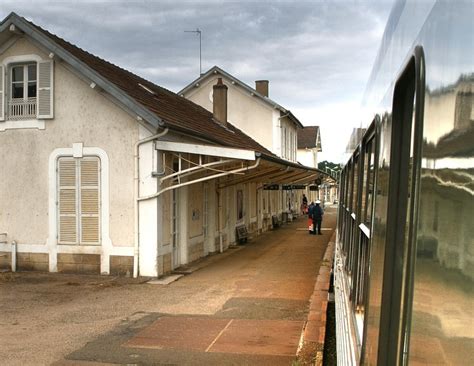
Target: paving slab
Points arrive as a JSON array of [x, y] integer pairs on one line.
[[266, 337], [193, 333], [93, 320]]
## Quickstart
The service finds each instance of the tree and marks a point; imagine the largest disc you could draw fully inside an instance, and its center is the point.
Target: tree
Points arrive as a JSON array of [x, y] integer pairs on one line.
[[332, 169]]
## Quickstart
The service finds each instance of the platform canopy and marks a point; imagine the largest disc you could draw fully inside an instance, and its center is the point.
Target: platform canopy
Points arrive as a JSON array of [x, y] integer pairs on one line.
[[199, 163]]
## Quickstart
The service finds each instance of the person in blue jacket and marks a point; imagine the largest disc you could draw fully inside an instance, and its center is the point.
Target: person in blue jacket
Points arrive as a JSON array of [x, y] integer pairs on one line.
[[310, 216], [317, 217]]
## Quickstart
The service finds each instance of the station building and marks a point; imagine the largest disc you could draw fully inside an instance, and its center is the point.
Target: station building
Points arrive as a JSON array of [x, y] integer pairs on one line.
[[105, 172]]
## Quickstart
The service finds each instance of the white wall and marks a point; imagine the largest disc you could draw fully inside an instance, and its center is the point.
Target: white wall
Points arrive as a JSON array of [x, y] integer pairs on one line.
[[81, 115], [288, 141], [244, 111], [308, 157]]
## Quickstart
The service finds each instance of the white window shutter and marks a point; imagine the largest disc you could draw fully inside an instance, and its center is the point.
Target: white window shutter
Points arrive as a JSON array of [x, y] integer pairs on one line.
[[90, 200], [67, 201], [2, 93], [45, 89]]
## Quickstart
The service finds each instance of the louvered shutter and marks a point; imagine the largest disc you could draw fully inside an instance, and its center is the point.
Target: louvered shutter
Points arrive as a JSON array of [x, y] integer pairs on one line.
[[90, 200], [67, 201], [45, 89], [2, 93]]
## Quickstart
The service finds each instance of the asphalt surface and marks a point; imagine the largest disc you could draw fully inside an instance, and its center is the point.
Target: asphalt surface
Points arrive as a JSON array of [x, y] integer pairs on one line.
[[244, 307]]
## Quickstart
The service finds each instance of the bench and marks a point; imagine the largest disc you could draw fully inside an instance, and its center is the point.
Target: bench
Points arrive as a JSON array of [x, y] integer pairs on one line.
[[241, 233]]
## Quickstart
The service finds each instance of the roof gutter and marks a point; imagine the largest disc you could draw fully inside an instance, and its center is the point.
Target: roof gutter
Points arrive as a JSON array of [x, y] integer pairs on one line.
[[280, 161], [274, 159]]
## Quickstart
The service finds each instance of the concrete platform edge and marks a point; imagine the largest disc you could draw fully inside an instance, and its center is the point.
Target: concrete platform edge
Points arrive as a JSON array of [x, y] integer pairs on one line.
[[315, 328]]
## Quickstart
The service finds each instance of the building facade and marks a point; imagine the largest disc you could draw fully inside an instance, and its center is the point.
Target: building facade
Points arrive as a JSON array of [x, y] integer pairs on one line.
[[105, 172], [309, 144], [251, 110]]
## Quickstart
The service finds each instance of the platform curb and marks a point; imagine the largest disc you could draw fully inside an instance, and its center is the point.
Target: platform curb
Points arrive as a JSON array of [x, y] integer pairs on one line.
[[315, 328]]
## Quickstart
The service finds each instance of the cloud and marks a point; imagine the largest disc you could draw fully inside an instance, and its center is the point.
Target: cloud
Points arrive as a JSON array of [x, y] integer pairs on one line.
[[316, 54]]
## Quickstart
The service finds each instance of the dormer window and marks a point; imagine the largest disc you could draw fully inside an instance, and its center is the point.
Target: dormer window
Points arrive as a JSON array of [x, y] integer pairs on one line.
[[22, 103], [26, 91]]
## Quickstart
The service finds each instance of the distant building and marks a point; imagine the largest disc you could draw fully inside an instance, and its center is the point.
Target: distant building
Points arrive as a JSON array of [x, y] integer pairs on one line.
[[309, 144]]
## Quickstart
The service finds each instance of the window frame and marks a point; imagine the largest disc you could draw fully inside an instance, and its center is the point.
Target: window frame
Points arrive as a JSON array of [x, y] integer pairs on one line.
[[78, 188], [403, 197], [30, 112], [25, 82]]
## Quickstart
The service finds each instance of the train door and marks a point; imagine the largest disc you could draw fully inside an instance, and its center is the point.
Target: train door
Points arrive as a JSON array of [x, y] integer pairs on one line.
[[405, 145]]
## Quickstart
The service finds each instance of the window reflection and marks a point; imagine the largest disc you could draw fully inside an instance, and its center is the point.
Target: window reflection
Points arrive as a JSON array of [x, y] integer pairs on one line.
[[442, 330]]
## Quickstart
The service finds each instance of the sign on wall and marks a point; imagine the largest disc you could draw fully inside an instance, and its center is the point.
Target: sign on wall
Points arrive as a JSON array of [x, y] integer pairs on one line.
[[289, 187], [271, 187]]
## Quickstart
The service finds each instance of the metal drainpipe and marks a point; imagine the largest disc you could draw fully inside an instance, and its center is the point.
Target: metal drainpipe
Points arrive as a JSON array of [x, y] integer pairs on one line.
[[13, 255], [136, 250], [219, 209]]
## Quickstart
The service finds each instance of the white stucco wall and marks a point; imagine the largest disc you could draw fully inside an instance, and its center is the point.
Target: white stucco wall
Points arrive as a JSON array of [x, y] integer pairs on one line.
[[81, 115], [288, 141], [308, 157], [244, 111], [149, 230]]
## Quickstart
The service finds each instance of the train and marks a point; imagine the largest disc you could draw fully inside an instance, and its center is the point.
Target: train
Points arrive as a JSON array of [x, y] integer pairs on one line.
[[404, 261]]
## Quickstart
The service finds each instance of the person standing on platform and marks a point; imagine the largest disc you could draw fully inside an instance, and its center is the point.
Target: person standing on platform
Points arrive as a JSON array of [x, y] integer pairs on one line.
[[310, 218], [317, 217], [304, 205]]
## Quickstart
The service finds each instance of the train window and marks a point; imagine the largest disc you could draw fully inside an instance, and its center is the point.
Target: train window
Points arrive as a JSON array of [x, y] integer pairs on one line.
[[350, 174], [355, 184], [404, 164], [346, 189], [363, 202], [341, 188], [369, 177]]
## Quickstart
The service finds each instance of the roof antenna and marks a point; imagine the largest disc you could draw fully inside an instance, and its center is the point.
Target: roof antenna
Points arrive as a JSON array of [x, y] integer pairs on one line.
[[198, 32]]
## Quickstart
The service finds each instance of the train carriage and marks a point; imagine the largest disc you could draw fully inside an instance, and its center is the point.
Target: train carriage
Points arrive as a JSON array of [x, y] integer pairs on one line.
[[404, 264]]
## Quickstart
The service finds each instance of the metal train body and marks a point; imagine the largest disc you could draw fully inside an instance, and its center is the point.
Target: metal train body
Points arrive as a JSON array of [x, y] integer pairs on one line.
[[404, 264]]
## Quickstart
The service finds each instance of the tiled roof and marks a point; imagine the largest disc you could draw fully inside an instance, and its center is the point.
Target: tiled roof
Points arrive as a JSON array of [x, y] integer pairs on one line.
[[307, 137], [176, 112]]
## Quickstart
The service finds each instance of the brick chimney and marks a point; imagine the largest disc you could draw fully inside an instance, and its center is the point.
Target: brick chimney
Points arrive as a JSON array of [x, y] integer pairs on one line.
[[219, 95], [261, 86]]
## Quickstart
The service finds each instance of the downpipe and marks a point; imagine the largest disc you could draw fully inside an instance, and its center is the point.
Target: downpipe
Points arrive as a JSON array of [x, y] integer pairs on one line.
[[219, 213], [136, 158], [13, 256]]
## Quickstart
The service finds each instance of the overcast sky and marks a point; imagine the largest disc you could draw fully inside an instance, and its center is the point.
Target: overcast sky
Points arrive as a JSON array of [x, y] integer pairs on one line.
[[317, 55]]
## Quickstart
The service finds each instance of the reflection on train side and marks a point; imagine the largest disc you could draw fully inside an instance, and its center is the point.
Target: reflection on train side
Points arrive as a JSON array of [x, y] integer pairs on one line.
[[442, 330], [404, 268]]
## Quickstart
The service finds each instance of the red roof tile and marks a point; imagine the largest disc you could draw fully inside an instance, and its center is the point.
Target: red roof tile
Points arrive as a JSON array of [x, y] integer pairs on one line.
[[307, 137], [176, 112]]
